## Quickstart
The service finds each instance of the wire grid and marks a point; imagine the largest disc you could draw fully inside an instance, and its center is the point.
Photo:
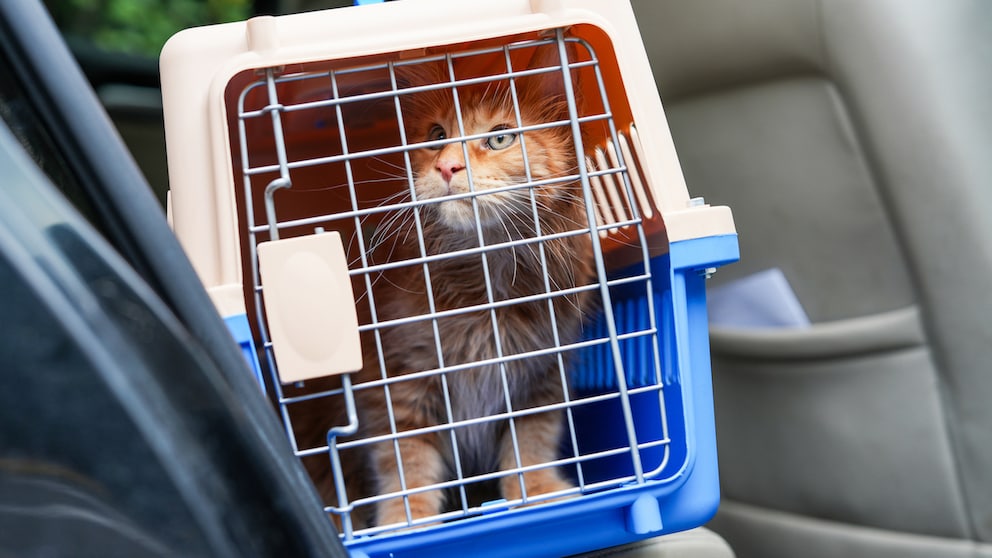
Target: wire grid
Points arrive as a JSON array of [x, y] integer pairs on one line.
[[602, 220]]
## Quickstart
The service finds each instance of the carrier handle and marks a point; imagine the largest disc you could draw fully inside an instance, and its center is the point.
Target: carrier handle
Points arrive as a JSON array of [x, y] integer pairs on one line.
[[310, 306]]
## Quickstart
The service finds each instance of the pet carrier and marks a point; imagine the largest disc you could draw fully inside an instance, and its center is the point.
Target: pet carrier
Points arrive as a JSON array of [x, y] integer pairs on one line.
[[300, 149]]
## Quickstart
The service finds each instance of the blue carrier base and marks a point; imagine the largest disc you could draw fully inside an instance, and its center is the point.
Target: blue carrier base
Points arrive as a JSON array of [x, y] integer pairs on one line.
[[239, 328], [684, 496]]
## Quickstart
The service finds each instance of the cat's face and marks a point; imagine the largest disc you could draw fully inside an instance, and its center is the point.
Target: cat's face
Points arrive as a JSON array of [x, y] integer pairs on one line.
[[489, 165]]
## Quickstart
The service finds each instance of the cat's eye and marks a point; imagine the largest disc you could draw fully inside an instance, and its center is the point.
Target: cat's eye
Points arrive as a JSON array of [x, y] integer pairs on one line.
[[501, 141], [436, 133]]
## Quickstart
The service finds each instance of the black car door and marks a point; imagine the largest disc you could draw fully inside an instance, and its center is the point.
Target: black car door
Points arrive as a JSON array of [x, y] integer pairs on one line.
[[129, 424]]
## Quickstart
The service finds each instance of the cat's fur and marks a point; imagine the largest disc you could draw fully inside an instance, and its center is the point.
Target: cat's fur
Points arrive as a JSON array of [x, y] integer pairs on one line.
[[459, 282]]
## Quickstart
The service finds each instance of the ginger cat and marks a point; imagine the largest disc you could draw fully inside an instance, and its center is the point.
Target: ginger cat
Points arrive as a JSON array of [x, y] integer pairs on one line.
[[494, 163]]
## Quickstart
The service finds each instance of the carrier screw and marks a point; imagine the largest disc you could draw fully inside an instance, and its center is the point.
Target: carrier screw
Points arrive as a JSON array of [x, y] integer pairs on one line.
[[696, 202], [708, 272]]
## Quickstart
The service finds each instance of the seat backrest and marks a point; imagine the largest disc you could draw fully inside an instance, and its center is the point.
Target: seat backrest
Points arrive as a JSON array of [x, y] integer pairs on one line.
[[853, 141]]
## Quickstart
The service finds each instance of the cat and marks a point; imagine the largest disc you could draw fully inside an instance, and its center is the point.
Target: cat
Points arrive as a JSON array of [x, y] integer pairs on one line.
[[450, 225]]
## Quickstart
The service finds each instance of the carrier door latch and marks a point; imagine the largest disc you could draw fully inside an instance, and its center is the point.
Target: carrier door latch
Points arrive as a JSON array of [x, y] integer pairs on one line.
[[309, 306]]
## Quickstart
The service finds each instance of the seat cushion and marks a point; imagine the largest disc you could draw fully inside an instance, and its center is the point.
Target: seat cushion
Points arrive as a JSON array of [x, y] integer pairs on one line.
[[695, 543]]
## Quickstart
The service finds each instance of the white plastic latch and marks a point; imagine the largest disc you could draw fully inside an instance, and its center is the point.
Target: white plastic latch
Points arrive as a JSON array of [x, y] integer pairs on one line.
[[310, 307], [263, 35]]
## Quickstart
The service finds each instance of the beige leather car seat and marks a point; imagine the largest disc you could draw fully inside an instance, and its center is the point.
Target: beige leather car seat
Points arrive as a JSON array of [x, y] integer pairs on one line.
[[853, 140]]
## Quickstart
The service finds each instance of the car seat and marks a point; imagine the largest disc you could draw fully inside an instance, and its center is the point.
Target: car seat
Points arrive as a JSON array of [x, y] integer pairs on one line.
[[852, 140]]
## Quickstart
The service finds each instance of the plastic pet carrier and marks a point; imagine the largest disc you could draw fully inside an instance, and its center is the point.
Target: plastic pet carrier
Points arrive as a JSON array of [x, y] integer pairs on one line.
[[335, 182]]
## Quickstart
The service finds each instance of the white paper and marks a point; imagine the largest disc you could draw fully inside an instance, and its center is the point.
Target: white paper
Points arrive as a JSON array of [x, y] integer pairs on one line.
[[764, 299]]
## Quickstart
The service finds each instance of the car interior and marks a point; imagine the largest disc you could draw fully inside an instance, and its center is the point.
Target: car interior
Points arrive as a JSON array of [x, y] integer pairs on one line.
[[851, 140]]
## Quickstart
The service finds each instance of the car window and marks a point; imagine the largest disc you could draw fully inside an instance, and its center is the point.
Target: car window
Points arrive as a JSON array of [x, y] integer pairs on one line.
[[78, 469], [24, 121]]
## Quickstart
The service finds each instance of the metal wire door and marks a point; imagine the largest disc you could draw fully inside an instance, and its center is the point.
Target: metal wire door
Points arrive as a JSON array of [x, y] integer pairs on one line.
[[362, 184]]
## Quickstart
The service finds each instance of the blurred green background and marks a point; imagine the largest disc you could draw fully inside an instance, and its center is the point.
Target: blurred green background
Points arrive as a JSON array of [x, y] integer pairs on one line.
[[117, 44], [140, 27]]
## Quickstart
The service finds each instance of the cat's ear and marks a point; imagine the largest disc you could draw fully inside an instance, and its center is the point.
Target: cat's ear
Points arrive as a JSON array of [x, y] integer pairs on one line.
[[423, 103], [417, 74], [550, 85]]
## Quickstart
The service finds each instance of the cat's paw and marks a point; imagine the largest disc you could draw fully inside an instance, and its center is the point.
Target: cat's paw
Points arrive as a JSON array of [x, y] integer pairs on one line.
[[393, 513], [538, 486]]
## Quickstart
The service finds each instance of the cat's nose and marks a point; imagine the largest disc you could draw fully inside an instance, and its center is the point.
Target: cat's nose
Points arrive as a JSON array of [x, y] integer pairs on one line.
[[448, 168]]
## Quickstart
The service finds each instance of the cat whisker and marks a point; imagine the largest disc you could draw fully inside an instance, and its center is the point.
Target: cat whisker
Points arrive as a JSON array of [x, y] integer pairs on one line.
[[546, 210], [390, 229], [386, 228], [402, 168], [502, 214], [387, 178]]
